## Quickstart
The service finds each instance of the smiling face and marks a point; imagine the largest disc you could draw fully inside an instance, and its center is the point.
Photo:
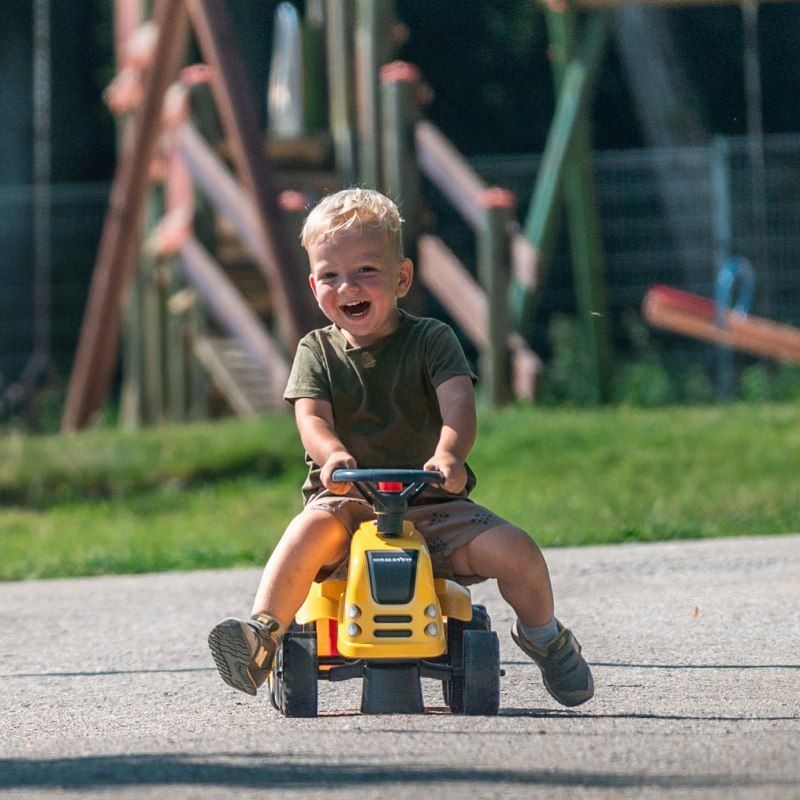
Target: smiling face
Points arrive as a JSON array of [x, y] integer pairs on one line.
[[357, 279]]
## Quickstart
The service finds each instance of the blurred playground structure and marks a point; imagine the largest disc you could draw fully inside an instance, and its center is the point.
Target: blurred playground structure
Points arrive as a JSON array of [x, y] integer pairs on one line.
[[213, 285]]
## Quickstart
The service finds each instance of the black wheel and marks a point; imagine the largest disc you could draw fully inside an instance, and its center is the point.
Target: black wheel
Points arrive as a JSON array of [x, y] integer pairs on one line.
[[293, 682], [481, 673], [453, 689]]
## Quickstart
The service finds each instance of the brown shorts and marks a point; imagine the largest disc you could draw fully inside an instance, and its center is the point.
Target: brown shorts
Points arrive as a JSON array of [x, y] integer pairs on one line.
[[446, 526]]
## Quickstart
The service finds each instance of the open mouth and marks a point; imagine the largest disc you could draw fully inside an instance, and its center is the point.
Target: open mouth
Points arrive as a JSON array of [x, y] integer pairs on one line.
[[355, 310]]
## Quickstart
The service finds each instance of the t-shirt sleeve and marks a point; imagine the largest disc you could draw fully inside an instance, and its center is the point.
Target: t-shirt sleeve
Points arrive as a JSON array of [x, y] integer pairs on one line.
[[308, 377], [445, 357]]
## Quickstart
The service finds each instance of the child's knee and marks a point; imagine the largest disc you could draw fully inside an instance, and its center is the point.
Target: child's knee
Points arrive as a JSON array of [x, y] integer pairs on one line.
[[504, 551], [317, 529]]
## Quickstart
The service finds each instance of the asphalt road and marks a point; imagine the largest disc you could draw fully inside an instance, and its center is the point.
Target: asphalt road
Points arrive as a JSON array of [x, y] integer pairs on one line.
[[107, 690]]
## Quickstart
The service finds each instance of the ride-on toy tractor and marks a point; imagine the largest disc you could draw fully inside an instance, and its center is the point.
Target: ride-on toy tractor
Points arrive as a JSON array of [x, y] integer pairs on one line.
[[391, 622]]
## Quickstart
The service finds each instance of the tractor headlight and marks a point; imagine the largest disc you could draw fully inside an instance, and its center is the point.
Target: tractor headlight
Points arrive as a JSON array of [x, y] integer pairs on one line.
[[430, 611], [353, 611], [431, 629], [353, 629]]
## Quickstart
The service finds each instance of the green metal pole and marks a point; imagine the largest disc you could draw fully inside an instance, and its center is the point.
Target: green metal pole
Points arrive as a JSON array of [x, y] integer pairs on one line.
[[493, 270], [583, 223], [573, 99]]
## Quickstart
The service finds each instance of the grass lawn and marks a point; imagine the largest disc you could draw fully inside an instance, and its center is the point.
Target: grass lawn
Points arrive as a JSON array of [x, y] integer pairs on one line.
[[220, 495]]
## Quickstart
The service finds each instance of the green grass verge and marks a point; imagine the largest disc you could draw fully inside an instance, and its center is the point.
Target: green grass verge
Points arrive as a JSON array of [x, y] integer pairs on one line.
[[220, 495]]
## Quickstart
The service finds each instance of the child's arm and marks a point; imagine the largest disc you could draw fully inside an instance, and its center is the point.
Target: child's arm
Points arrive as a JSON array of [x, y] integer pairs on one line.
[[459, 423], [315, 423]]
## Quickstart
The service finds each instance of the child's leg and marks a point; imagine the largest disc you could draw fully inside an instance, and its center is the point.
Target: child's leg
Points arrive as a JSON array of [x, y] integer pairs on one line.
[[313, 540], [509, 555], [243, 650]]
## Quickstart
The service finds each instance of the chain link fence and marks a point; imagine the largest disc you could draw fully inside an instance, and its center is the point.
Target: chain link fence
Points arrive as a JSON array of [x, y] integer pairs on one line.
[[76, 219], [667, 216]]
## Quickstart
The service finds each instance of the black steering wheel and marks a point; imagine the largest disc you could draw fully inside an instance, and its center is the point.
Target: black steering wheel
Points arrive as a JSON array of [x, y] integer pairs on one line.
[[384, 484]]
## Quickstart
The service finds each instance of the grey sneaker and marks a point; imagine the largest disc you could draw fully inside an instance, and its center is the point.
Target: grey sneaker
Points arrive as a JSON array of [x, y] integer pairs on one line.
[[565, 672], [243, 651]]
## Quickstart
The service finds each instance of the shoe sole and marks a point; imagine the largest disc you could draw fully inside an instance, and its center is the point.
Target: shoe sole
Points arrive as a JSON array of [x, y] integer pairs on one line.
[[232, 655]]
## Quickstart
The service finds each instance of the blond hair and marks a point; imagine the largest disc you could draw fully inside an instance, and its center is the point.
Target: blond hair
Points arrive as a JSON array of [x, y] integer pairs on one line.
[[349, 208]]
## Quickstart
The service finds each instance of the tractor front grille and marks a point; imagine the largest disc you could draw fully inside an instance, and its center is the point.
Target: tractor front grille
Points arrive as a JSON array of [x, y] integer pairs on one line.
[[392, 575]]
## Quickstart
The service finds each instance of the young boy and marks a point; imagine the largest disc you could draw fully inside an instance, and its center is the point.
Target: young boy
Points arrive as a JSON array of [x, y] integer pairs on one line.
[[380, 388]]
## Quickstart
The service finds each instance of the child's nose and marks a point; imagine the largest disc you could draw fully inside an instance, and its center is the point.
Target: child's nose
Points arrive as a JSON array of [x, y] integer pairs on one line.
[[348, 284]]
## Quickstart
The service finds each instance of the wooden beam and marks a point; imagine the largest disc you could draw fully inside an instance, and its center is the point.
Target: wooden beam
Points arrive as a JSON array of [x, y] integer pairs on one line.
[[229, 308], [217, 183], [696, 316], [341, 106], [458, 181], [592, 5], [373, 20], [294, 309], [451, 284], [98, 345]]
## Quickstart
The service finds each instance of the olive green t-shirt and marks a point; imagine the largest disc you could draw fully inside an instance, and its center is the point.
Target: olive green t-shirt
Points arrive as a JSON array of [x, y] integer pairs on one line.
[[385, 408]]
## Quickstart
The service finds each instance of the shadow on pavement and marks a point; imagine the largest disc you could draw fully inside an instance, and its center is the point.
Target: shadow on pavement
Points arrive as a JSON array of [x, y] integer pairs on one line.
[[262, 770], [668, 666], [543, 712]]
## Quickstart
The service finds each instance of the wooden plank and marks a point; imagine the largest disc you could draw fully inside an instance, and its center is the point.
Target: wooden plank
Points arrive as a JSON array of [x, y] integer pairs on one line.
[[212, 176], [591, 5], [294, 307], [231, 311], [456, 179], [98, 345], [695, 316], [216, 365], [449, 281]]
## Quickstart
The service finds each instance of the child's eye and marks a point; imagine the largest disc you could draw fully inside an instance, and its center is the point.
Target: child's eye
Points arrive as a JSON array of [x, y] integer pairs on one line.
[[327, 276], [367, 268]]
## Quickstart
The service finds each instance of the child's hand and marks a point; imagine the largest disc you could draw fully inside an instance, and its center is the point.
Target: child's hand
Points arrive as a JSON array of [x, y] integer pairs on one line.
[[337, 460], [453, 469]]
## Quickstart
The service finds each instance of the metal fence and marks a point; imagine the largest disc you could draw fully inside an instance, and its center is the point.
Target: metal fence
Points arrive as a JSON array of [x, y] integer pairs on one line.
[[667, 217], [672, 216], [76, 217]]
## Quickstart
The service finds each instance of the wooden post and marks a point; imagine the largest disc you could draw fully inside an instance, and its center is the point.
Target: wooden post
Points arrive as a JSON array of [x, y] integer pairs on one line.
[[493, 269], [296, 313], [295, 206], [373, 19], [132, 389], [196, 378], [153, 303], [341, 111], [98, 345], [178, 304], [582, 222], [401, 180], [400, 111]]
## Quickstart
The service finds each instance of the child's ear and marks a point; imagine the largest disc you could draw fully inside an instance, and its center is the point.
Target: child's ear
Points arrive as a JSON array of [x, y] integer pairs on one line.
[[405, 276]]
